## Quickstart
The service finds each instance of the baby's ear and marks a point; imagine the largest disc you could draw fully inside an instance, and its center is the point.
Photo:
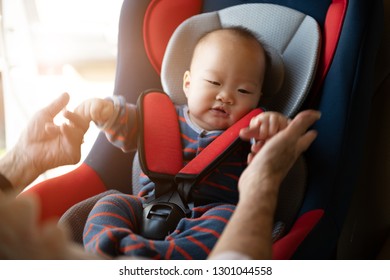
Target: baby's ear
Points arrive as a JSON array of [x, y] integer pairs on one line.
[[186, 82]]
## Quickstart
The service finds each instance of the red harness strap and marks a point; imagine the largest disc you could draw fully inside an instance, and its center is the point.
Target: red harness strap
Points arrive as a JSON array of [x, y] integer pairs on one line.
[[160, 149], [160, 146], [161, 159], [212, 155]]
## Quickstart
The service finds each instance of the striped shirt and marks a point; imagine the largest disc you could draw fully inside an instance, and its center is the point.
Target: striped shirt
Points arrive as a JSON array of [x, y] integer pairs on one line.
[[219, 186], [113, 226]]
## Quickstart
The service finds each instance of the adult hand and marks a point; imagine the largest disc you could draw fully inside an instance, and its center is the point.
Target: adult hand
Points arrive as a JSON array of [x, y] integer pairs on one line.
[[262, 128], [249, 231], [23, 236], [276, 157], [44, 145]]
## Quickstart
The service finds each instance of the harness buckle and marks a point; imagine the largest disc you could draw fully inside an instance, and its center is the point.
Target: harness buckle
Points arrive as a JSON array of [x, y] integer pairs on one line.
[[161, 216]]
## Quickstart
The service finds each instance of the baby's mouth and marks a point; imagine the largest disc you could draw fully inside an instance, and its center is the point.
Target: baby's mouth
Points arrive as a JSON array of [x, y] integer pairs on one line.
[[219, 110]]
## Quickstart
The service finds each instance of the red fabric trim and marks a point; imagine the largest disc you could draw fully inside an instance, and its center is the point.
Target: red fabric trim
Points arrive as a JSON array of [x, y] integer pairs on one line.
[[56, 195], [332, 29], [161, 124], [218, 146], [284, 248], [161, 19]]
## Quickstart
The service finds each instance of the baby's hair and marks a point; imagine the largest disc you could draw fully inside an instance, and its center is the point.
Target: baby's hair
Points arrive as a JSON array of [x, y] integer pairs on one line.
[[244, 33], [250, 35], [236, 30]]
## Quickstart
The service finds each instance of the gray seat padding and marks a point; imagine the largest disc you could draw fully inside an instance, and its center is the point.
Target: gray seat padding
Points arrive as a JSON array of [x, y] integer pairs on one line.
[[292, 39]]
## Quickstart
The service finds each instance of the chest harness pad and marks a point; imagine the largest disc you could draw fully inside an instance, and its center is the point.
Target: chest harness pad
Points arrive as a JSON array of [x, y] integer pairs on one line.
[[161, 159]]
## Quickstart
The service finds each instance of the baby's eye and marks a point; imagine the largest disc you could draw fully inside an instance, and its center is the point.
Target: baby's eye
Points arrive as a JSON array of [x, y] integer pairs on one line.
[[215, 83], [244, 91]]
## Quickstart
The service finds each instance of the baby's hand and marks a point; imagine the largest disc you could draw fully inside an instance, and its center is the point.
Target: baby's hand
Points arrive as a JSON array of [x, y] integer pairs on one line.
[[263, 127], [97, 110]]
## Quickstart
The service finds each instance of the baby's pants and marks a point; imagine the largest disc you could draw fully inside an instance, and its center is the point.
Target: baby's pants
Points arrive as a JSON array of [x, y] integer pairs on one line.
[[115, 220]]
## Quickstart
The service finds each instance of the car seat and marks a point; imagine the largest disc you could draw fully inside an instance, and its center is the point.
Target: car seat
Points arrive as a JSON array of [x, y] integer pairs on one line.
[[366, 231], [342, 91], [292, 40]]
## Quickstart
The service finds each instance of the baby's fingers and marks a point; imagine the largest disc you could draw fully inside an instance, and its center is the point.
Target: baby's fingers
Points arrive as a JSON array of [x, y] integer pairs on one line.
[[253, 130], [277, 122]]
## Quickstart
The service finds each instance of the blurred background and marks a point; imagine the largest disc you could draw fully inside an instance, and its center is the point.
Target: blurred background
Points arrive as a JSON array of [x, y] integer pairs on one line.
[[52, 46]]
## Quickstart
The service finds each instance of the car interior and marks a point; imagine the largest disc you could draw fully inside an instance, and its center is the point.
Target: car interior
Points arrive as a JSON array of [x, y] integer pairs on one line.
[[334, 55]]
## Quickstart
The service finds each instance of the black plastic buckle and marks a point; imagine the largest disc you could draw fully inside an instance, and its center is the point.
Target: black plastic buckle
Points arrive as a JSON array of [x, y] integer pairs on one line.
[[161, 216]]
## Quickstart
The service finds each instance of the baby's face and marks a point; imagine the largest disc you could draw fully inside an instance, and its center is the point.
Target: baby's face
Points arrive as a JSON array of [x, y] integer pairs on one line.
[[225, 80]]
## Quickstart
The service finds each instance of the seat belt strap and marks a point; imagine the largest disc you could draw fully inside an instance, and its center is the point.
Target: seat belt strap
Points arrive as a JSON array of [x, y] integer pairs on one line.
[[160, 142], [216, 148], [212, 155], [161, 159]]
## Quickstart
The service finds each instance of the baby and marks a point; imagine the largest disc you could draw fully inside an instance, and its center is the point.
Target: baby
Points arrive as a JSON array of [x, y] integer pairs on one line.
[[223, 84]]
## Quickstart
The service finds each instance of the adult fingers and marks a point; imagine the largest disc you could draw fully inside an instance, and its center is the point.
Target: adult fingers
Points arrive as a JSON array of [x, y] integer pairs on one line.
[[76, 120], [306, 140], [57, 105], [51, 129], [303, 121], [73, 138], [298, 130]]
